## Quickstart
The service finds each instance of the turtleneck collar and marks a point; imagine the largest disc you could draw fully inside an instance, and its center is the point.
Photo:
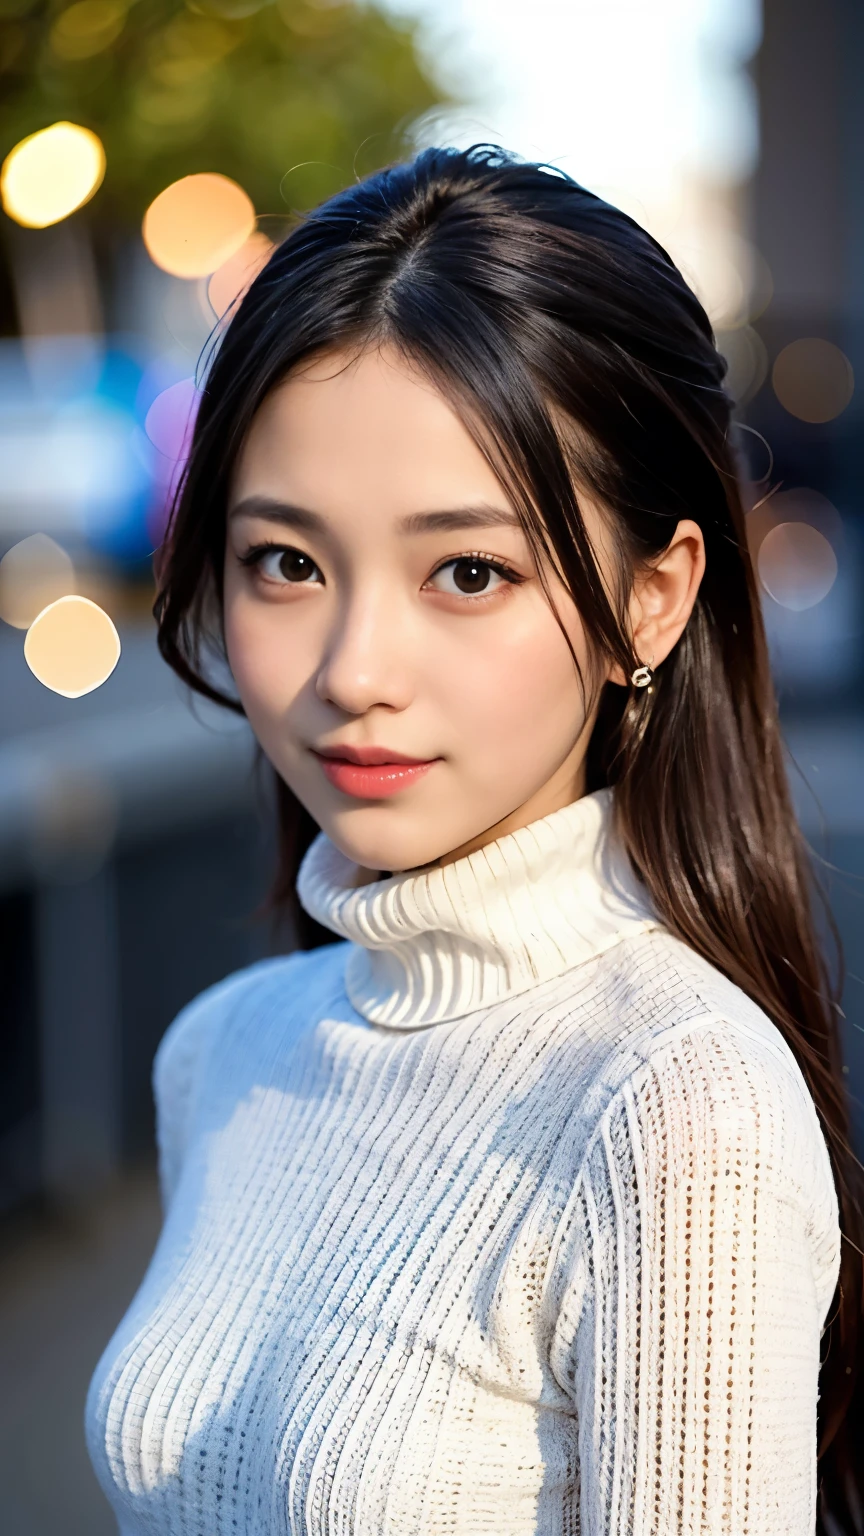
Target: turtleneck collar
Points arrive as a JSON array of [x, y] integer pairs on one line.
[[443, 942]]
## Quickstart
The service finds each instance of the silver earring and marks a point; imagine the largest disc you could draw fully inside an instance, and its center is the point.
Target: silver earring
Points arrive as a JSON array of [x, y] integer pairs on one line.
[[643, 677]]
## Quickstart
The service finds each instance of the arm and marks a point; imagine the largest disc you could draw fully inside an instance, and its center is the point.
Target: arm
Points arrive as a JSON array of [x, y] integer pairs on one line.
[[702, 1257]]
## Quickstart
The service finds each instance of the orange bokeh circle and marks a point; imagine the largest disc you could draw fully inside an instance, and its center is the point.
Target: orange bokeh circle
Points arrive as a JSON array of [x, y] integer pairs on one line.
[[192, 227], [72, 646], [229, 283]]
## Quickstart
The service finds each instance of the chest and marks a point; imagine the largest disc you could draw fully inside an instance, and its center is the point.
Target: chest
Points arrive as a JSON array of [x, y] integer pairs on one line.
[[343, 1325]]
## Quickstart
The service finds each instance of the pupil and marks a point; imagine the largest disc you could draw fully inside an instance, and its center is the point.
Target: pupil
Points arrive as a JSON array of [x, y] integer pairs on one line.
[[294, 566], [471, 575]]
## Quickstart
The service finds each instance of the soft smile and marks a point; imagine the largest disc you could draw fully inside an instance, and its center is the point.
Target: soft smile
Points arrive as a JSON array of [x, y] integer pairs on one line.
[[371, 773]]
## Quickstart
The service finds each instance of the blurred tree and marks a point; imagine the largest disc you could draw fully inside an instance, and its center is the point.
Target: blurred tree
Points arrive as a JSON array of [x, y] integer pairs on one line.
[[288, 97]]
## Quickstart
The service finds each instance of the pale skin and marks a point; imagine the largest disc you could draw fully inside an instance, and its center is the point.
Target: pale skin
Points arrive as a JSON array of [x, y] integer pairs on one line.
[[357, 630]]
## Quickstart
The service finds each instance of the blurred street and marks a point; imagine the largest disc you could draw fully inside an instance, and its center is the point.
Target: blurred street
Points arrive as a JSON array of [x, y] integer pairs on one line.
[[65, 1281]]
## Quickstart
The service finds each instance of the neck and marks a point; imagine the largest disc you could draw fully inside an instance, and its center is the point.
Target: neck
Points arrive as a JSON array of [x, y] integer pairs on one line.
[[438, 943]]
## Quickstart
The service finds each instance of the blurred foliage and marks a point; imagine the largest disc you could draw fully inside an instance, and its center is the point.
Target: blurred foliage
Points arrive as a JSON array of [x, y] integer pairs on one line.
[[291, 98]]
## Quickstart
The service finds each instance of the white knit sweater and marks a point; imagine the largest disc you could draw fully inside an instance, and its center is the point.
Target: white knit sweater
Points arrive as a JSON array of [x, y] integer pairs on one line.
[[511, 1215]]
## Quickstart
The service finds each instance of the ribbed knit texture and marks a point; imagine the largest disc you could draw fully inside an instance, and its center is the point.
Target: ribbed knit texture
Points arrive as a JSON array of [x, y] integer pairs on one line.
[[509, 1215]]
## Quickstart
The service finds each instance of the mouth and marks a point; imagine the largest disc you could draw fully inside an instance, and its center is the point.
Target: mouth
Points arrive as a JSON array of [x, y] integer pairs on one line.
[[371, 773]]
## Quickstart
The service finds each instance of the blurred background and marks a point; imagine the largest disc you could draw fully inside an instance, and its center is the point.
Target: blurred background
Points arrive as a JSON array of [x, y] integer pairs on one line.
[[153, 150]]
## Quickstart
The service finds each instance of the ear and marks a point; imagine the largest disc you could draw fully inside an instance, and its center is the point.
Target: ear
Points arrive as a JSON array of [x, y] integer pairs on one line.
[[663, 595]]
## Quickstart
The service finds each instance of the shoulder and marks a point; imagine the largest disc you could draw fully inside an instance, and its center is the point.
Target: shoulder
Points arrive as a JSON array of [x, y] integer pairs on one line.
[[232, 1016], [653, 990], [700, 1068], [237, 999], [698, 1095]]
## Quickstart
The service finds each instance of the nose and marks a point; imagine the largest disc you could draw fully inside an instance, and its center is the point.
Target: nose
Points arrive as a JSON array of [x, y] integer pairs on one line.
[[366, 661]]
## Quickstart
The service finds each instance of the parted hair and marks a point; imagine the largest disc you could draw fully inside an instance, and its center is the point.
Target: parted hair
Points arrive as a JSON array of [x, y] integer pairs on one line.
[[581, 361]]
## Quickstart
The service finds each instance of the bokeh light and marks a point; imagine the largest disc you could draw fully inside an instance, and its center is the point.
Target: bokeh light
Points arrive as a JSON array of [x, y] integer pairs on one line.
[[813, 379], [799, 505], [72, 646], [87, 27], [197, 223], [171, 417], [232, 279], [797, 566], [33, 573], [169, 425], [50, 174]]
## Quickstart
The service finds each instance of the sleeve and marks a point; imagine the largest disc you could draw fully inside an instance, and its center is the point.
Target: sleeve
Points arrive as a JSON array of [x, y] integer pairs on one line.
[[700, 1259]]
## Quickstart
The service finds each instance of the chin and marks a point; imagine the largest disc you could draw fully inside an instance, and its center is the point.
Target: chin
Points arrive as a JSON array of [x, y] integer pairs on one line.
[[392, 848]]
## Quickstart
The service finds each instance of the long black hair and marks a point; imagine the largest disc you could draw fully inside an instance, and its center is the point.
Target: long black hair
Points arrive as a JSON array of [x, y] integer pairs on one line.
[[578, 357]]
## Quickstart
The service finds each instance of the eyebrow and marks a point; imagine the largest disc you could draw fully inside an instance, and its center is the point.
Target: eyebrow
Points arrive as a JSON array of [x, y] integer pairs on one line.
[[478, 515]]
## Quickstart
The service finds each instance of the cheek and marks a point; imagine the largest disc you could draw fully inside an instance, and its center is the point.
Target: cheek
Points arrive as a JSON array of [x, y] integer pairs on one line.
[[267, 664], [514, 690]]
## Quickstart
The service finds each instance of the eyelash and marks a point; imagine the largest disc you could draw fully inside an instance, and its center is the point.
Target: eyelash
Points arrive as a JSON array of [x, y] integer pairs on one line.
[[256, 553]]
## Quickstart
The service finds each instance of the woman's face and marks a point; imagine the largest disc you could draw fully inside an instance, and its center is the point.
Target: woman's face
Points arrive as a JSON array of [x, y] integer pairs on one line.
[[385, 625]]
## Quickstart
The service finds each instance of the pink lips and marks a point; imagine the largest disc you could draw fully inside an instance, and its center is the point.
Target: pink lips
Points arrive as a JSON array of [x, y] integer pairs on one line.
[[371, 773]]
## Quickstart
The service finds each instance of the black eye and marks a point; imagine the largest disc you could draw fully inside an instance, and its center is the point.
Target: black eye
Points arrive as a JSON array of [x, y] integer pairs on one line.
[[295, 566], [470, 576], [281, 567]]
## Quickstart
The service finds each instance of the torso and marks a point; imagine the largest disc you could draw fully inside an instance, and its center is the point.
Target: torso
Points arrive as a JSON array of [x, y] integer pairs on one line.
[[437, 1201], [344, 1326]]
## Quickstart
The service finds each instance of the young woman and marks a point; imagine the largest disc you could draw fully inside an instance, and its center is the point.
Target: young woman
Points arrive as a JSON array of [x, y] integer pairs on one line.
[[524, 1207]]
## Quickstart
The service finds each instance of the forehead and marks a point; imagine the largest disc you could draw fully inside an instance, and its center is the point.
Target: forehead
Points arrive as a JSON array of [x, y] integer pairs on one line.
[[367, 430]]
